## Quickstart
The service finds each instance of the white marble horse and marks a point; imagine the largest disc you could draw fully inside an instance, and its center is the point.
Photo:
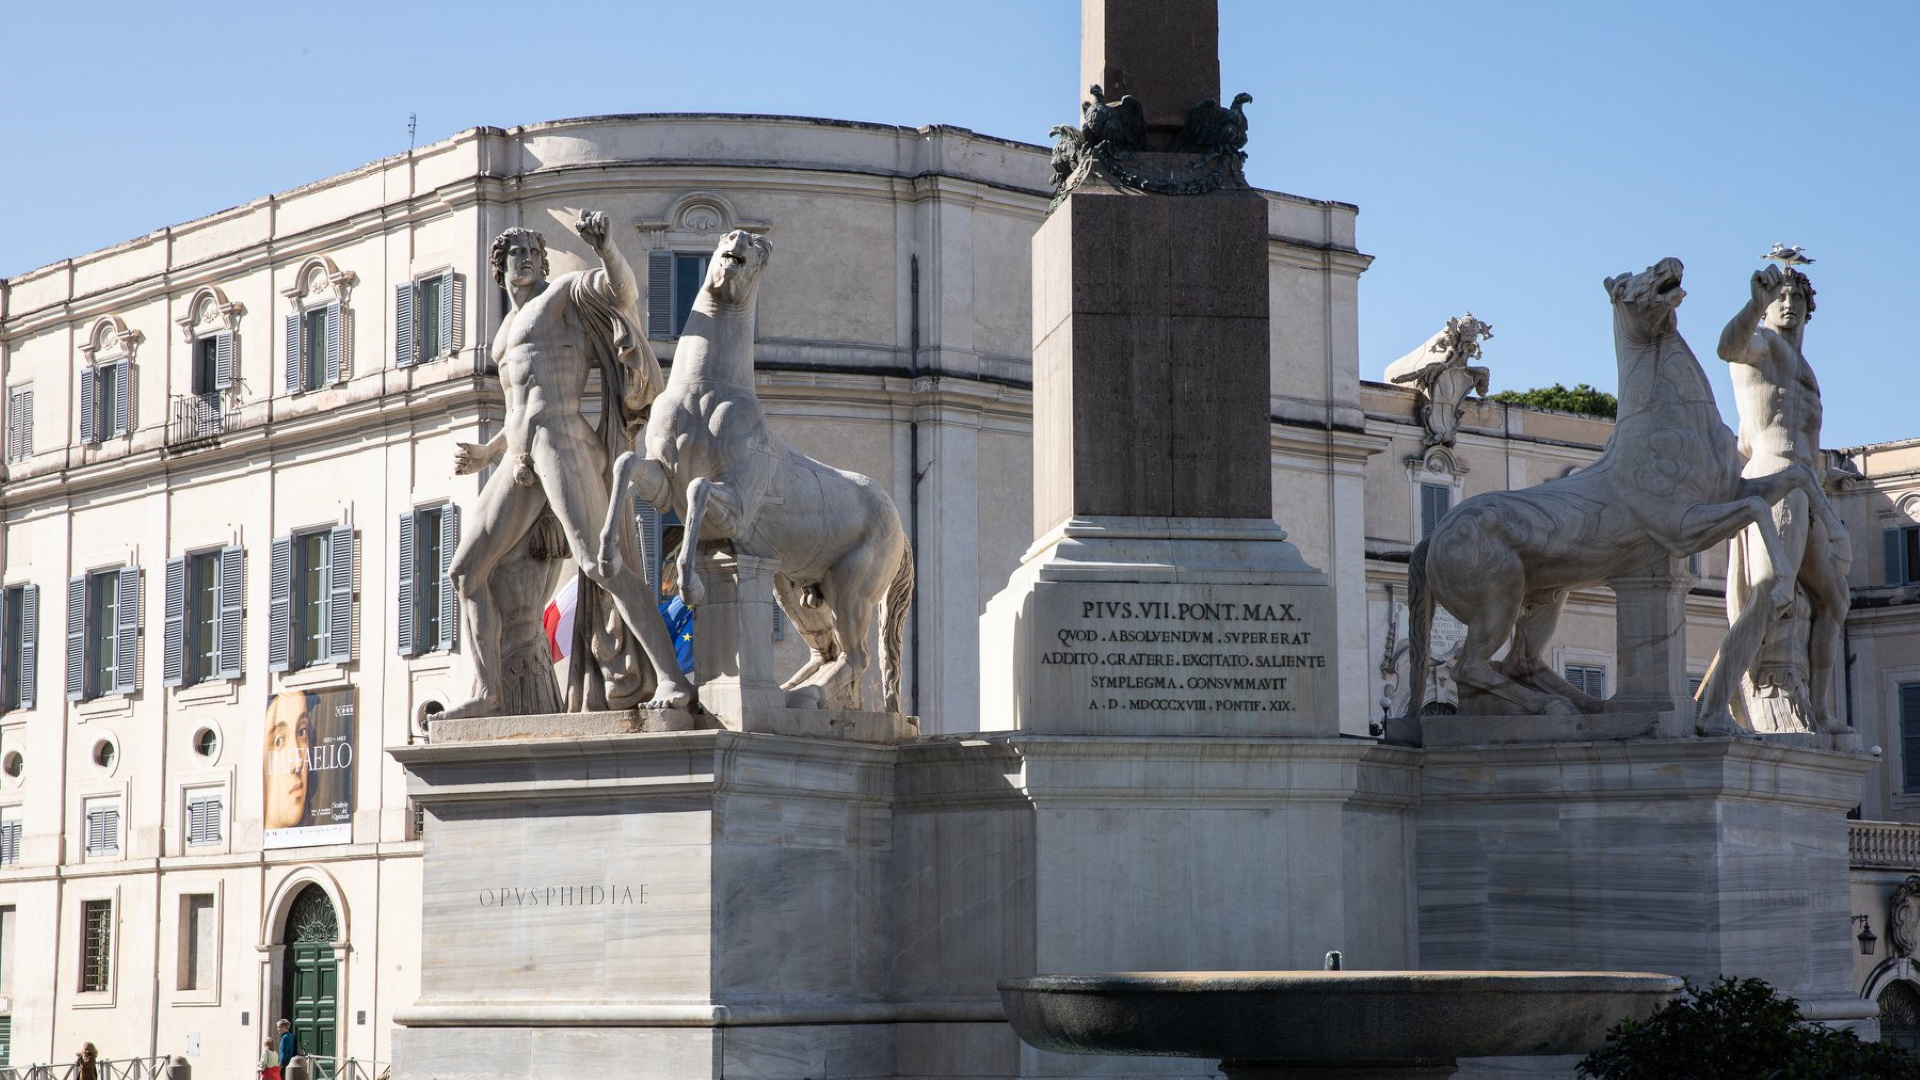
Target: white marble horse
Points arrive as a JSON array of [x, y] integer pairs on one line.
[[1667, 484], [709, 455]]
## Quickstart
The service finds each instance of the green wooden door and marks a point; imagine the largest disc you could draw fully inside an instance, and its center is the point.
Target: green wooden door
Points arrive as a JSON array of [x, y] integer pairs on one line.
[[310, 988]]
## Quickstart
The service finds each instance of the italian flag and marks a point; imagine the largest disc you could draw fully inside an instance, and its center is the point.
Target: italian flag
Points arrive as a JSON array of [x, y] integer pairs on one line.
[[558, 618]]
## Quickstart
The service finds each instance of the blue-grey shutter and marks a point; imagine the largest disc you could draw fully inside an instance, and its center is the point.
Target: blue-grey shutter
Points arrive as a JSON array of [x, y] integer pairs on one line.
[[333, 343], [292, 361], [126, 636], [77, 638], [5, 598], [404, 632], [173, 666], [1435, 501], [229, 618], [29, 644], [646, 525], [660, 294], [449, 603], [453, 309], [403, 343], [1910, 738], [88, 391], [280, 605], [340, 595], [1891, 546], [123, 397], [223, 360], [23, 424]]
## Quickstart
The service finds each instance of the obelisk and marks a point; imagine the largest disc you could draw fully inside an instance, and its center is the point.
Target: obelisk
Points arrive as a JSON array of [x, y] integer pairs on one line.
[[1159, 596]]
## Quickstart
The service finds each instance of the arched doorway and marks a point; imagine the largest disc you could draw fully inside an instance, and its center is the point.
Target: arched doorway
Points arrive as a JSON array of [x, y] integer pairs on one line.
[[310, 976], [1900, 1016]]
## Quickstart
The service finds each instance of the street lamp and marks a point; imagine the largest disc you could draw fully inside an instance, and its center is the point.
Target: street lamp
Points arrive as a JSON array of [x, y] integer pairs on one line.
[[1865, 936]]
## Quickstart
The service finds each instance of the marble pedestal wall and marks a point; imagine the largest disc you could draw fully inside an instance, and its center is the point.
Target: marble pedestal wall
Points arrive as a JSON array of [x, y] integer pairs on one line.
[[1694, 857], [1021, 853], [667, 905]]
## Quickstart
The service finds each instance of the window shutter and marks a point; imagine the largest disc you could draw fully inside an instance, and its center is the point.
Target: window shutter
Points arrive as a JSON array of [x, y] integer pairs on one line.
[[14, 415], [340, 595], [1910, 737], [203, 821], [333, 343], [126, 637], [173, 667], [453, 309], [9, 842], [122, 397], [280, 605], [779, 622], [88, 389], [1892, 547], [26, 423], [228, 619], [646, 524], [5, 596], [77, 638], [404, 634], [1435, 501], [223, 360], [449, 603], [659, 294], [291, 362], [403, 345], [29, 644]]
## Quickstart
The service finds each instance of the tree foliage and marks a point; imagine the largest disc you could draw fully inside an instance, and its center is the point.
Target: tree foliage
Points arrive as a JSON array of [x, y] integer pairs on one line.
[[1582, 399], [1739, 1030]]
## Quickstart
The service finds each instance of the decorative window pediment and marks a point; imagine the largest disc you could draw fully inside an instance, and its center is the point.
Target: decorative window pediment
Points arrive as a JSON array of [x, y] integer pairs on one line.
[[318, 337], [209, 312]]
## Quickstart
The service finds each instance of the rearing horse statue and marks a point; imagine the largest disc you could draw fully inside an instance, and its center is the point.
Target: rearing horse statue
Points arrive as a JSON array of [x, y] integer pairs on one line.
[[709, 455], [1667, 484]]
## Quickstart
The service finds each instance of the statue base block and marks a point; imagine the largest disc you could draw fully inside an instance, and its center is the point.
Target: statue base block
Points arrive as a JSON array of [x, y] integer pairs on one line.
[[564, 725], [1506, 730]]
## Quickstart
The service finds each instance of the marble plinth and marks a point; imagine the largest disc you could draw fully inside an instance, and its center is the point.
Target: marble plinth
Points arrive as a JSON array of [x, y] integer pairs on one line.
[[1161, 626], [685, 904], [1699, 857], [1022, 853]]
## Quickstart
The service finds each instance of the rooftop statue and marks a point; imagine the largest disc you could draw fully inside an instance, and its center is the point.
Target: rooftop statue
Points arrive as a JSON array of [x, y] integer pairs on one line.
[[1668, 484], [555, 465], [1441, 371], [710, 456], [1784, 667]]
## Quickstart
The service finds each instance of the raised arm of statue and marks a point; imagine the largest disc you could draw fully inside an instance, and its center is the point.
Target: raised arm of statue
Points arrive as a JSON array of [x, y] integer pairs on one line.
[[1740, 342], [615, 290], [622, 290]]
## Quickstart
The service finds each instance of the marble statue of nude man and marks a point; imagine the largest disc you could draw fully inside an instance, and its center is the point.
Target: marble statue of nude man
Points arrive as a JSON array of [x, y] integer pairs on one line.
[[551, 454], [1780, 414]]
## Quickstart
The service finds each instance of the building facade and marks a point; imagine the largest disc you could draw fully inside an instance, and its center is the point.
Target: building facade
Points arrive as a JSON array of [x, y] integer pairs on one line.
[[230, 507]]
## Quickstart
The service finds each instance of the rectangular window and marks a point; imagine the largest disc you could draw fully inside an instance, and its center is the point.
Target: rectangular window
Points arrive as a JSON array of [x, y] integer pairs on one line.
[[19, 650], [11, 828], [203, 617], [1435, 501], [1910, 738], [9, 924], [313, 349], [1902, 551], [198, 936], [1590, 679], [20, 423], [106, 406], [673, 281], [103, 629], [96, 946], [205, 365], [428, 314], [203, 818], [429, 616], [311, 599], [102, 828]]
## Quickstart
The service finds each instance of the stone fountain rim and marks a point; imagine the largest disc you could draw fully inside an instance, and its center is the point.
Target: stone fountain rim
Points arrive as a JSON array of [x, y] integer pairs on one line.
[[1349, 981]]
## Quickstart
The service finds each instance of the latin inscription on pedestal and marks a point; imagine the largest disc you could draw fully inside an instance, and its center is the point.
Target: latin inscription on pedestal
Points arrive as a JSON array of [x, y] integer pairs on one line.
[[1231, 659]]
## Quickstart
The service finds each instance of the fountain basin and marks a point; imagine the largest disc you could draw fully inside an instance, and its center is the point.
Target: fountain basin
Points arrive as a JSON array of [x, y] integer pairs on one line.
[[1329, 1018]]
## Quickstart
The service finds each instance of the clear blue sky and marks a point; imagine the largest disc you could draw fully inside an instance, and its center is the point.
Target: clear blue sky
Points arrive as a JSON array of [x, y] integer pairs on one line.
[[1505, 156]]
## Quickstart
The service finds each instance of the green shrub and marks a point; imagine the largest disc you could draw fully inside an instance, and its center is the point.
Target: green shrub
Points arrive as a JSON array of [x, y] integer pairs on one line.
[[1582, 399], [1739, 1030]]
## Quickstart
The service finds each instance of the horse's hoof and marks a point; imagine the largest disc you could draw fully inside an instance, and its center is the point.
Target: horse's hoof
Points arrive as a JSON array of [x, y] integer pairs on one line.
[[1559, 706], [1718, 724], [466, 710], [806, 697]]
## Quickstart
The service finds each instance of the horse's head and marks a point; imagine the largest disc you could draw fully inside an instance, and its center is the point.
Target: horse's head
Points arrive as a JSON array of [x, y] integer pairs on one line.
[[734, 273], [1644, 303]]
